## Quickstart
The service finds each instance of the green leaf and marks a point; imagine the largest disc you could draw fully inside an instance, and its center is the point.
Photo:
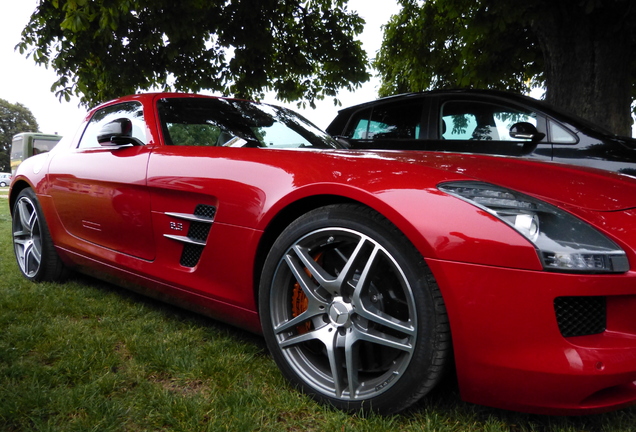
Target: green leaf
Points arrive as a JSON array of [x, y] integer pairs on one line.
[[116, 47]]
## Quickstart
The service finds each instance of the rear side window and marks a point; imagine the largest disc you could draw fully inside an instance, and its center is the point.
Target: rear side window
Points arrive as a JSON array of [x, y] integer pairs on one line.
[[387, 121], [559, 134], [469, 120]]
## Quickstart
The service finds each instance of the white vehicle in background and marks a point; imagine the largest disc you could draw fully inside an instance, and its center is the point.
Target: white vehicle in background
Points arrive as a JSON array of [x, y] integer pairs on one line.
[[5, 179]]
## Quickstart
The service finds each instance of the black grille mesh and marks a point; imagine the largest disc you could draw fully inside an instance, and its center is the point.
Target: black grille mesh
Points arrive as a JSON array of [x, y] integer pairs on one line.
[[205, 210], [580, 316], [198, 231], [190, 255]]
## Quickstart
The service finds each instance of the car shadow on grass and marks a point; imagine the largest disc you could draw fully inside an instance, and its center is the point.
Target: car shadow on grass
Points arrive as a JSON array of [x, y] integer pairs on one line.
[[439, 410], [171, 311]]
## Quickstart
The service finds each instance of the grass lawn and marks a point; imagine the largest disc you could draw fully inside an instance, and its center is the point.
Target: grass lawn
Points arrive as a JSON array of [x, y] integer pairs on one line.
[[88, 356]]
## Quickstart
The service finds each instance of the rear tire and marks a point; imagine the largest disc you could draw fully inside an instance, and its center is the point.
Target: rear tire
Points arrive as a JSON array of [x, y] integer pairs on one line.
[[34, 250], [351, 313]]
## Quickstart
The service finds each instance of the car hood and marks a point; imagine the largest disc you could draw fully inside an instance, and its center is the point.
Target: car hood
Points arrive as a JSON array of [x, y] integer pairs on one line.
[[574, 186]]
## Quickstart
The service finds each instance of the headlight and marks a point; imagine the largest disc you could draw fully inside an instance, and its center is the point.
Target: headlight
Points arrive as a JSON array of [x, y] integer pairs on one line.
[[563, 241]]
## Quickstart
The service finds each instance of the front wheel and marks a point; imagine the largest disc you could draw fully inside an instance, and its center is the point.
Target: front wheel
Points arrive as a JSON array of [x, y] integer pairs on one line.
[[32, 243], [351, 313]]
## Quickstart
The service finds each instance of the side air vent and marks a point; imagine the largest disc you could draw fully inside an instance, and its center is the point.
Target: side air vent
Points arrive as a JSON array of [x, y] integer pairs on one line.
[[194, 243]]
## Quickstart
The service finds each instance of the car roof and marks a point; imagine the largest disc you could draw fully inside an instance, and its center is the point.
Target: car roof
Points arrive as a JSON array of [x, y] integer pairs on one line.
[[152, 96], [441, 92]]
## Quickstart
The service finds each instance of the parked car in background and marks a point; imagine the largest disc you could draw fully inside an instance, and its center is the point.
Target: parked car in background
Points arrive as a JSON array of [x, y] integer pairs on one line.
[[485, 122], [367, 272], [5, 179], [27, 144]]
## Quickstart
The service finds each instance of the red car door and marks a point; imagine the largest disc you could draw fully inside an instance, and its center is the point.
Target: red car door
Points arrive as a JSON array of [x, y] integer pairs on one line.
[[100, 192]]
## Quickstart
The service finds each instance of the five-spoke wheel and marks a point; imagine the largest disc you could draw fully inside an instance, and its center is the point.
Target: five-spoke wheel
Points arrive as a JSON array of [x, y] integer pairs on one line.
[[350, 311], [32, 243], [26, 236]]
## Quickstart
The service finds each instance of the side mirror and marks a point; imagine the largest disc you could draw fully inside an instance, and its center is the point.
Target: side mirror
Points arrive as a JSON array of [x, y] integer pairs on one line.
[[526, 131], [118, 132], [343, 142]]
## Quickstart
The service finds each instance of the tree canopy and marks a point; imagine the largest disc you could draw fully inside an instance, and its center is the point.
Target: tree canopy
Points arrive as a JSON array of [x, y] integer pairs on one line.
[[581, 51], [101, 49], [14, 119]]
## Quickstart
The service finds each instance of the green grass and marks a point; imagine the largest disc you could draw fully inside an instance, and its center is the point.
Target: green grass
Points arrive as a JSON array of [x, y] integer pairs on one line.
[[88, 356]]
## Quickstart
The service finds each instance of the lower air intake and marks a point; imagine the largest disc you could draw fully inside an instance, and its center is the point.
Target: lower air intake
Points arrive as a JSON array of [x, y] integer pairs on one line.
[[580, 316]]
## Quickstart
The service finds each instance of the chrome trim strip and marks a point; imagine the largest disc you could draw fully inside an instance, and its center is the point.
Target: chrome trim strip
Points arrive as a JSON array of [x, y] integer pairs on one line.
[[190, 217], [185, 239]]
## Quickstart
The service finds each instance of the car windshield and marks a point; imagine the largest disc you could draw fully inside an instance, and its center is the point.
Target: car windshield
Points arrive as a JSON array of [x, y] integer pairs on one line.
[[236, 123]]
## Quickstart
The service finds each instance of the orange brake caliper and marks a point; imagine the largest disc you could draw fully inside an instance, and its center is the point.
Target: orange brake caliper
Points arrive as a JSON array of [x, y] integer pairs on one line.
[[300, 302]]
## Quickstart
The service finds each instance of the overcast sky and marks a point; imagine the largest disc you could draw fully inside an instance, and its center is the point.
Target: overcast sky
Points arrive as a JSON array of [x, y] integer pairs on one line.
[[24, 82]]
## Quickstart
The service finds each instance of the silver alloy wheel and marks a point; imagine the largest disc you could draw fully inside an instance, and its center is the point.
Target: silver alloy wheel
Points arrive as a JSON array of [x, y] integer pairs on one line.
[[27, 238], [343, 314]]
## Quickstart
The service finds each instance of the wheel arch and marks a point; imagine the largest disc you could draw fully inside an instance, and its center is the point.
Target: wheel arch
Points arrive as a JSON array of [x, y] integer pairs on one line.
[[17, 187], [295, 209], [282, 219]]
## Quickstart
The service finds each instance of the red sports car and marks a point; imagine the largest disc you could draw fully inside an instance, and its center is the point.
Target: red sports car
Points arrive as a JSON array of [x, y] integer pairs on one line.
[[367, 272]]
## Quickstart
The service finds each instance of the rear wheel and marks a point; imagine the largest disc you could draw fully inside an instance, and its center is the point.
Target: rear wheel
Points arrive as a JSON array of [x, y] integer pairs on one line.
[[351, 312], [32, 243]]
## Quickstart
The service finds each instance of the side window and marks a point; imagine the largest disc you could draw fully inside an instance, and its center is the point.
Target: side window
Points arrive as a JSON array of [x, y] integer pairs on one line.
[[401, 120], [387, 121], [275, 135], [129, 110], [210, 122], [469, 120], [189, 134], [17, 149], [559, 134], [17, 153], [42, 146], [358, 126]]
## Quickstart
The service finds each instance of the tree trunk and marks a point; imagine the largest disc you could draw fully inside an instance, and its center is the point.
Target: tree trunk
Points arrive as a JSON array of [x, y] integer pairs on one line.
[[587, 61]]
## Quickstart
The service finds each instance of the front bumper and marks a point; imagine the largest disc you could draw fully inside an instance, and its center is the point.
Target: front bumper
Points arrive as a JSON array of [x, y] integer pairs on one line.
[[511, 352]]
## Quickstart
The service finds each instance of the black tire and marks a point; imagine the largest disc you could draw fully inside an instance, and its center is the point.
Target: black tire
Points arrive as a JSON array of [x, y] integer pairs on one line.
[[34, 250], [2, 184], [351, 312]]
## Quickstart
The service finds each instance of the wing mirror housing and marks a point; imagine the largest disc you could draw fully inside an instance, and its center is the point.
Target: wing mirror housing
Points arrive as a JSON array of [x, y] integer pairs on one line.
[[526, 131], [118, 132], [343, 142]]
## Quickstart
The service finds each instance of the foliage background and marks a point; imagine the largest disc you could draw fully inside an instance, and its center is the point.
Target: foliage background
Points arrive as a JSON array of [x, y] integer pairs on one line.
[[14, 119], [102, 49]]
